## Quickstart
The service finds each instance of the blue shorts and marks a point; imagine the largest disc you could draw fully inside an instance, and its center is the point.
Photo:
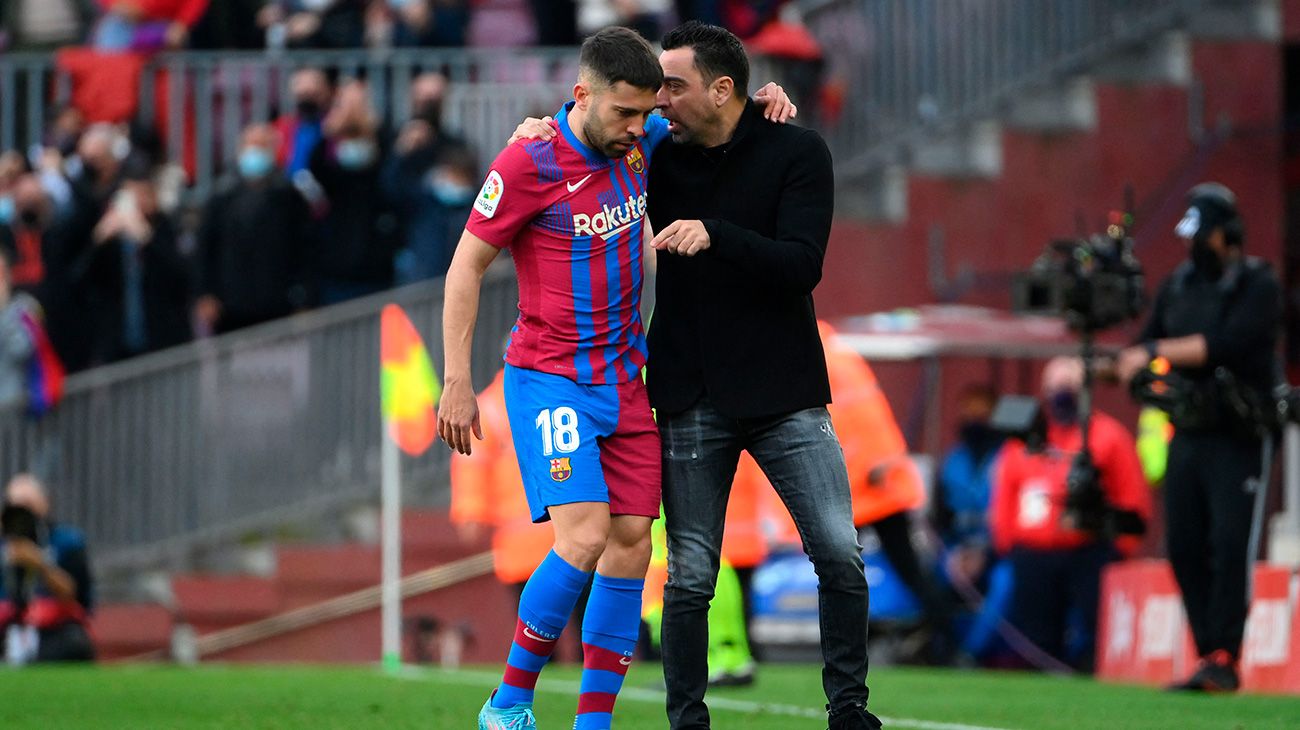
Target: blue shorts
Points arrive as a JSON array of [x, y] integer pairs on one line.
[[583, 443]]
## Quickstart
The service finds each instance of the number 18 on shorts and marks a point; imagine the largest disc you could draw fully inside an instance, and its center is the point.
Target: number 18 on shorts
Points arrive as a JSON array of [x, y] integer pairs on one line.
[[583, 443]]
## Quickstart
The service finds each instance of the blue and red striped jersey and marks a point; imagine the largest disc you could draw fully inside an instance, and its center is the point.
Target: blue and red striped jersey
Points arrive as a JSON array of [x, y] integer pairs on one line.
[[572, 219]]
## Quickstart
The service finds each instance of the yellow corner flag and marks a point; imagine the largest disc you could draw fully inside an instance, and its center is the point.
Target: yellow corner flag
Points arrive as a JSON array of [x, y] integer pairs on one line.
[[409, 389]]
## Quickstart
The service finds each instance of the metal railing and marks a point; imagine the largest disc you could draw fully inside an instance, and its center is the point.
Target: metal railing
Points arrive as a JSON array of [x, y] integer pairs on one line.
[[907, 69], [200, 445], [209, 97]]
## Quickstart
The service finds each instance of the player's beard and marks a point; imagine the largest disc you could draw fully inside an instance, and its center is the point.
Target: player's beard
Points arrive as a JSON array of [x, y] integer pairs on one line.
[[602, 143]]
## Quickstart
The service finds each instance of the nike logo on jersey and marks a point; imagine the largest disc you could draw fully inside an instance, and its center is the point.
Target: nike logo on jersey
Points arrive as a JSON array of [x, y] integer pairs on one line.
[[575, 186], [535, 637], [625, 661]]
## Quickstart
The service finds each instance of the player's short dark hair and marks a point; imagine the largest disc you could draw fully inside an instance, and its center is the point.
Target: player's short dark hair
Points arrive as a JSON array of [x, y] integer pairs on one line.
[[718, 52], [619, 54]]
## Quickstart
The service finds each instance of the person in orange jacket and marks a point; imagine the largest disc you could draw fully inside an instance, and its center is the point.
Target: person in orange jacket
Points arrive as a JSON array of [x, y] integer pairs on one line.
[[885, 483], [487, 494], [1057, 567]]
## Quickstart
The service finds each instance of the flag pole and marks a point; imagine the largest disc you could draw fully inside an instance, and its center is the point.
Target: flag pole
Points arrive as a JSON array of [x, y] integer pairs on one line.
[[391, 550]]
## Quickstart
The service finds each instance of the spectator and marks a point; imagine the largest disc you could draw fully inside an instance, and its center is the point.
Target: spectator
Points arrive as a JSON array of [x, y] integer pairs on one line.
[[356, 237], [12, 166], [960, 517], [300, 132], [313, 23], [23, 233], [431, 181], [1056, 566], [556, 22], [133, 281], [46, 590], [252, 243], [960, 510], [94, 175], [230, 24], [16, 345], [146, 25], [644, 16], [43, 24], [406, 23]]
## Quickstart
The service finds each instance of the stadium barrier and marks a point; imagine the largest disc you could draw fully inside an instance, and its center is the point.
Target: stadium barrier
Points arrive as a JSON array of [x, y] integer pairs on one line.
[[201, 445], [890, 73], [1142, 633]]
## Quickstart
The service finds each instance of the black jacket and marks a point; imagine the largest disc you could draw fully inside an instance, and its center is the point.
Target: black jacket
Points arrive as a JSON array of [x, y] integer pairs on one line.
[[253, 249], [99, 276], [736, 321], [1239, 314]]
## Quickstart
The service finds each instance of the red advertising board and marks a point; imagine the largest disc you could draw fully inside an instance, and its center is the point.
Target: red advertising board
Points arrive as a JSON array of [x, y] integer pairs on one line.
[[1142, 633]]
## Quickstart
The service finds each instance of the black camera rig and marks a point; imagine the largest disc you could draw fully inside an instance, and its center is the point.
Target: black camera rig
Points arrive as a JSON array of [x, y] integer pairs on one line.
[[1093, 282]]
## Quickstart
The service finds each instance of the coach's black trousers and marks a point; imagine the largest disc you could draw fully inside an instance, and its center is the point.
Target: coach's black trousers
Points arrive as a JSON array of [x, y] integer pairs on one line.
[[1208, 515]]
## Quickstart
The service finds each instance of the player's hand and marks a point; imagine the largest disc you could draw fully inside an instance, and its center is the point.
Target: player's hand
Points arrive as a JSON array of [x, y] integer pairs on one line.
[[533, 128], [777, 106], [1131, 360], [684, 238], [458, 417]]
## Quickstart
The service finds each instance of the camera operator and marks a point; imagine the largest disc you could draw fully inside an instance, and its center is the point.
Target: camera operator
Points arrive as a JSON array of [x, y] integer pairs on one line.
[[1215, 321], [1057, 565], [45, 584]]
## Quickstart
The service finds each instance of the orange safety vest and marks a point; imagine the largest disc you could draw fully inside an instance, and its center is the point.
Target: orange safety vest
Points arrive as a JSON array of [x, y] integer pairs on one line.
[[486, 488], [744, 544], [871, 441]]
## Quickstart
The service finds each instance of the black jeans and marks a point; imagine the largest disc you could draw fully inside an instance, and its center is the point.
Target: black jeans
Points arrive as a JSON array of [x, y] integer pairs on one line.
[[801, 456], [1208, 518], [1053, 590]]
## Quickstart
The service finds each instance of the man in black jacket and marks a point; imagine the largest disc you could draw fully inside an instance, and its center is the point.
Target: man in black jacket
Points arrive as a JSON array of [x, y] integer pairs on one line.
[[253, 245], [743, 208], [1215, 320]]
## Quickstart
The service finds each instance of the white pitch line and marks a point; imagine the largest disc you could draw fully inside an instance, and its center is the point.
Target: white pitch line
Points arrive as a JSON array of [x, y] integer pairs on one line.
[[637, 694]]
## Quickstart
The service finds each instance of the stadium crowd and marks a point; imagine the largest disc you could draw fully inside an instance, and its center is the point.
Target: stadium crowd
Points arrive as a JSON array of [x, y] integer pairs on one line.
[[271, 24]]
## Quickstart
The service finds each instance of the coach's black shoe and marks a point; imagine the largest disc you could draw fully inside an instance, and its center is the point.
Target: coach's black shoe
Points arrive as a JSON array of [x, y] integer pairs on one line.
[[853, 718], [1216, 673]]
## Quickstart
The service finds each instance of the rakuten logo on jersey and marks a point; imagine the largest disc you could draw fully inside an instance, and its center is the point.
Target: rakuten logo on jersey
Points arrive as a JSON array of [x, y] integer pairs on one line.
[[610, 221]]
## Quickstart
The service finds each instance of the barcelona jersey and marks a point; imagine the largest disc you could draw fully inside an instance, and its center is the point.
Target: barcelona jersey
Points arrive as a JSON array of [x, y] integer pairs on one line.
[[572, 219]]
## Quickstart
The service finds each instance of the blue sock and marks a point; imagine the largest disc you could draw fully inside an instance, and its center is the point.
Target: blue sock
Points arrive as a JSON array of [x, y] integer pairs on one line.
[[544, 609], [609, 633]]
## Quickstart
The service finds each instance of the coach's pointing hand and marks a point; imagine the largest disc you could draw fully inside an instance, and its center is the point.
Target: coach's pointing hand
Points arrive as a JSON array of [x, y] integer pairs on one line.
[[458, 416], [685, 238]]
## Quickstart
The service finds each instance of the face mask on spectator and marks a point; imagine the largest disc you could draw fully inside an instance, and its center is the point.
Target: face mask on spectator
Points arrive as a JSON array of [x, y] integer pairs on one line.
[[6, 209], [355, 154], [430, 112], [65, 143], [255, 163], [1063, 406], [308, 108], [449, 192]]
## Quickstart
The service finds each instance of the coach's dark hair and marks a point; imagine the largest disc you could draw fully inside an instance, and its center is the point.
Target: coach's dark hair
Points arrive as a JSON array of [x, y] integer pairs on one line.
[[718, 52], [619, 54]]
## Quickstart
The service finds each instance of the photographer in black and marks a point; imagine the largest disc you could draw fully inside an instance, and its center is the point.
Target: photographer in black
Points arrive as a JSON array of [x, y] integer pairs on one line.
[[45, 583], [1215, 321]]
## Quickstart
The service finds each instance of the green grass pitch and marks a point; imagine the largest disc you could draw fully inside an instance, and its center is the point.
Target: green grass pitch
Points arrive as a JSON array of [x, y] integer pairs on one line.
[[786, 697]]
